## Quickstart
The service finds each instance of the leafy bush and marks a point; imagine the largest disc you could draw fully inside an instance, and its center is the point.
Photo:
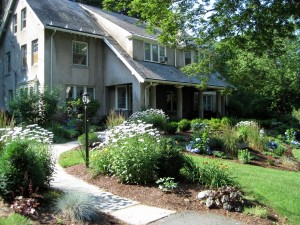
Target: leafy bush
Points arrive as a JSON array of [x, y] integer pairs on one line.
[[214, 175], [77, 206], [92, 137], [24, 166], [76, 108], [214, 123], [190, 170], [14, 219], [170, 159], [279, 150], [166, 184], [230, 140], [114, 119], [244, 156], [184, 125], [156, 117], [60, 133], [101, 161], [171, 127], [199, 144]]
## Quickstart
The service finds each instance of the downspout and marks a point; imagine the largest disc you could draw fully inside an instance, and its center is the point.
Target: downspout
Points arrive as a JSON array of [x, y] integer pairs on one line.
[[51, 60], [175, 57]]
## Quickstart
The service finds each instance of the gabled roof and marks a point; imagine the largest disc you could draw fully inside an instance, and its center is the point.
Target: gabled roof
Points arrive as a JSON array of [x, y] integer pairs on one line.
[[132, 25], [160, 73], [65, 14]]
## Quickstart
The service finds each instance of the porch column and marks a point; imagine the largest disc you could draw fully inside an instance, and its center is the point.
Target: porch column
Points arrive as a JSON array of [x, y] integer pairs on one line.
[[147, 97], [218, 103], [179, 102], [223, 102], [200, 107], [153, 96]]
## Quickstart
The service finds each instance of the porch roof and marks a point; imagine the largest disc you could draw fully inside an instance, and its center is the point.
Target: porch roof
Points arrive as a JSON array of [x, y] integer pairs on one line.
[[160, 73], [65, 14]]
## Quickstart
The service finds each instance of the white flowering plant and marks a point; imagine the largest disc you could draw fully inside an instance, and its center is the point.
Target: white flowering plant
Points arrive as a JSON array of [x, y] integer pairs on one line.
[[30, 132], [156, 117]]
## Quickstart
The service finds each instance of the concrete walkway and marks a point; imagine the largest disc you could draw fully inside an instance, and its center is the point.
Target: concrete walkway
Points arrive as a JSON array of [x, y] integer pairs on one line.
[[129, 211]]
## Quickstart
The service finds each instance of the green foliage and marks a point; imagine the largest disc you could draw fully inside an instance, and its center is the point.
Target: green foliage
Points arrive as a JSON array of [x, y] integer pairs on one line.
[[77, 206], [184, 125], [76, 108], [279, 150], [214, 174], [190, 170], [14, 219], [296, 153], [5, 120], [289, 163], [101, 161], [166, 184], [70, 158], [24, 166], [171, 127], [244, 156], [170, 159], [219, 154], [114, 119], [35, 106], [230, 140], [92, 137], [257, 211], [60, 133]]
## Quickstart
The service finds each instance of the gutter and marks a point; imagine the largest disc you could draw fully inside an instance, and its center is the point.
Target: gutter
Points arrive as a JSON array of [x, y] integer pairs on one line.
[[73, 31]]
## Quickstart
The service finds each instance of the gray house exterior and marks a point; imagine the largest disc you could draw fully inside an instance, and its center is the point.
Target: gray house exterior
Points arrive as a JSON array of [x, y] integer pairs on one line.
[[111, 56]]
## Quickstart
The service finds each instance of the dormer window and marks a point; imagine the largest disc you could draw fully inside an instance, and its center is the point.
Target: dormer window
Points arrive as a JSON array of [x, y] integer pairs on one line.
[[187, 57], [155, 53], [23, 18]]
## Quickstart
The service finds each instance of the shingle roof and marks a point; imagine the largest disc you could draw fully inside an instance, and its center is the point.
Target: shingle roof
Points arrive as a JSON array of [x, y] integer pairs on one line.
[[65, 14], [164, 73], [132, 25]]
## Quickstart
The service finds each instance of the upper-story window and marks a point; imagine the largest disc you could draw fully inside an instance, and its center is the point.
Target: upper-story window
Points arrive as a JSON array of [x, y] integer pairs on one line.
[[8, 62], [23, 18], [15, 24], [187, 57], [80, 53], [35, 48], [24, 56], [155, 53]]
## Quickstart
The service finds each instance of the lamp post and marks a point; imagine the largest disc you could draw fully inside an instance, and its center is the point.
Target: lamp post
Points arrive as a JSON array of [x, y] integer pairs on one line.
[[86, 100]]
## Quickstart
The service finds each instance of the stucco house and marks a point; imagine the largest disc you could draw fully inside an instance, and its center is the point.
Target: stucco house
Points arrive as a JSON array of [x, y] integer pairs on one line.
[[111, 56]]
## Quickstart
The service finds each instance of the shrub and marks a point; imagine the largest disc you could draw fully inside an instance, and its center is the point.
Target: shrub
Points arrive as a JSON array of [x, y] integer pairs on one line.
[[76, 108], [171, 127], [199, 144], [244, 156], [114, 119], [156, 117], [92, 137], [256, 211], [190, 170], [195, 121], [230, 140], [199, 127], [14, 219], [215, 175], [215, 123], [101, 161], [166, 184], [77, 206], [279, 150], [170, 159], [60, 134], [24, 166], [184, 125]]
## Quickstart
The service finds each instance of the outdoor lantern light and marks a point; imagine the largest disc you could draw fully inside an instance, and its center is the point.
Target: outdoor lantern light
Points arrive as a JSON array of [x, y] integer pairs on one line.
[[86, 100]]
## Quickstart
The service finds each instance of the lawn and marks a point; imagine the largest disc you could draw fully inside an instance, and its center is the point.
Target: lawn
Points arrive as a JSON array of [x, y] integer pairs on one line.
[[275, 188], [71, 158]]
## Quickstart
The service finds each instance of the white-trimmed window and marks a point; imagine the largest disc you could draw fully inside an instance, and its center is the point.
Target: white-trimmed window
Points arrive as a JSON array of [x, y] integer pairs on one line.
[[207, 102], [24, 56], [23, 18], [74, 92], [35, 48], [80, 53], [15, 23], [8, 63], [171, 101], [187, 57], [154, 53], [121, 97]]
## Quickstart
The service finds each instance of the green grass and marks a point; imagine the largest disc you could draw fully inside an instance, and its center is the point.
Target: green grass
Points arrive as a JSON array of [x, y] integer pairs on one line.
[[256, 211], [275, 188], [296, 152], [71, 158]]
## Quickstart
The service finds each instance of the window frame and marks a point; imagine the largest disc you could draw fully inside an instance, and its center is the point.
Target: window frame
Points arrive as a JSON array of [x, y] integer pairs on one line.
[[74, 93], [23, 18], [15, 23], [86, 54], [24, 62], [185, 57], [161, 52], [173, 101], [34, 50], [117, 97]]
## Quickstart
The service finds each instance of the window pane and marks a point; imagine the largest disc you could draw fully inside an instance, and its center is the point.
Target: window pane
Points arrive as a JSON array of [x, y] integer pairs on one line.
[[15, 23], [69, 92], [80, 51], [90, 91], [79, 92], [24, 56], [154, 53], [147, 52], [8, 62], [162, 51], [121, 98], [35, 47], [188, 58], [23, 18]]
